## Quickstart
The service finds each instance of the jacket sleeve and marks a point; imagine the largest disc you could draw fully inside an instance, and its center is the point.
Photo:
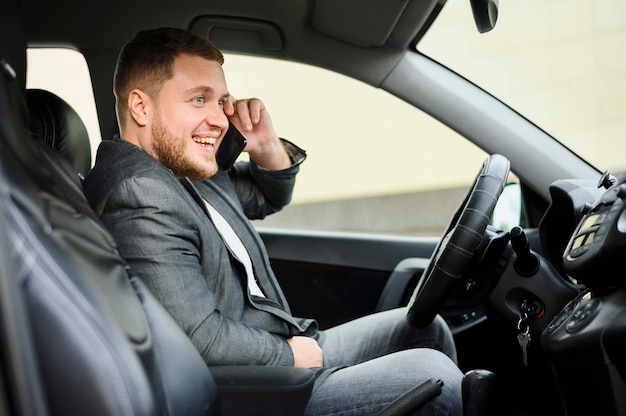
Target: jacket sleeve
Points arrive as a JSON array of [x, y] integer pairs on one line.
[[263, 192], [157, 233]]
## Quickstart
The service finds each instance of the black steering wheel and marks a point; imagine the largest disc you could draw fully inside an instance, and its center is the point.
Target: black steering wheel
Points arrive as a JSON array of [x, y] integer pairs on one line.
[[459, 242]]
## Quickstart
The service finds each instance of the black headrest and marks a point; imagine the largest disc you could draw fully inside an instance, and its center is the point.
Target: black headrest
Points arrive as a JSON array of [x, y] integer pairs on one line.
[[54, 121]]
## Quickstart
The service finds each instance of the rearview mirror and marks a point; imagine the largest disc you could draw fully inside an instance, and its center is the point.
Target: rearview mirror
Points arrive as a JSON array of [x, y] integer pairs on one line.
[[485, 14]]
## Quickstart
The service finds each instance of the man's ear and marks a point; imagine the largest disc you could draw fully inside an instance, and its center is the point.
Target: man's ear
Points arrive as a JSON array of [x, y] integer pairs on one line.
[[139, 106]]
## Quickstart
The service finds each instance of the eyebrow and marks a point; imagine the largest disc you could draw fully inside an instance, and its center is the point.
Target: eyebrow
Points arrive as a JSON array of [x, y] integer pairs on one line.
[[204, 89], [199, 90]]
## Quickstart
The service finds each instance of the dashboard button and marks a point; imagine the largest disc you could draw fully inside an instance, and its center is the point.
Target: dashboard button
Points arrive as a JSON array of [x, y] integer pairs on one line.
[[583, 316]]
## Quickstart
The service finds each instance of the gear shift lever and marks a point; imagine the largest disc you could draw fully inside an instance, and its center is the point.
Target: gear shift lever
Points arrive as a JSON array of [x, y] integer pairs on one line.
[[478, 388]]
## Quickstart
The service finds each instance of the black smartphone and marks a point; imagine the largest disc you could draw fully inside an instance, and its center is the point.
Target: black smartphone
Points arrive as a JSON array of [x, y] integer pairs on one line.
[[230, 148]]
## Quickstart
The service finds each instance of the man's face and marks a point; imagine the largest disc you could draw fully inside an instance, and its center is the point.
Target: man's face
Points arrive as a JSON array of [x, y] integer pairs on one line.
[[189, 118]]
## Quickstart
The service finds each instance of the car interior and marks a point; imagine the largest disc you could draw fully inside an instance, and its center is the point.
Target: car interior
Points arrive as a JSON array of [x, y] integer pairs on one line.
[[537, 312], [106, 344], [115, 350]]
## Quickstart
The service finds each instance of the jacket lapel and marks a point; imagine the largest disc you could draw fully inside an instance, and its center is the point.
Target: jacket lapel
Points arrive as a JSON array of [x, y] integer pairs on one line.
[[191, 188], [276, 304]]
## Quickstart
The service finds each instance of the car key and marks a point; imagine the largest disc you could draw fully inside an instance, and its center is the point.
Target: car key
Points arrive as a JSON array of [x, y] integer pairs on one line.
[[524, 339]]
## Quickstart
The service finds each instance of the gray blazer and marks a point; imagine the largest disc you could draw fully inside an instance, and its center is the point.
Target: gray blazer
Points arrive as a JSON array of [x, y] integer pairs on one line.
[[163, 230]]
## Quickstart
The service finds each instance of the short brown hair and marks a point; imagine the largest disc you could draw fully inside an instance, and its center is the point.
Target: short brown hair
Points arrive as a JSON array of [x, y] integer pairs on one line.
[[147, 61]]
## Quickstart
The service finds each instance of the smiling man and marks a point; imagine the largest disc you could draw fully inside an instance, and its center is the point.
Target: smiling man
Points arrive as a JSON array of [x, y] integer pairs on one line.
[[183, 226]]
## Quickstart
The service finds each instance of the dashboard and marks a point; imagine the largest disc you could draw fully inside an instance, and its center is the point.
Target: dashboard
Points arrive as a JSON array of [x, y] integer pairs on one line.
[[586, 340], [595, 251]]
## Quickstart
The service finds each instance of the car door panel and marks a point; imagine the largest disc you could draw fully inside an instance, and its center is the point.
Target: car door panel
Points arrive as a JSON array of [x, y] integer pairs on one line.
[[336, 277]]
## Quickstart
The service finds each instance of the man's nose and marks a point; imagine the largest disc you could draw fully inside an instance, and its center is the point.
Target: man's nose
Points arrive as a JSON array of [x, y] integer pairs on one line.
[[216, 117]]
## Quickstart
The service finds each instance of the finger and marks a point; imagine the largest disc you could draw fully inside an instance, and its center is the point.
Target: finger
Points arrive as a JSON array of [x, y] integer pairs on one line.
[[229, 105], [243, 111], [255, 107]]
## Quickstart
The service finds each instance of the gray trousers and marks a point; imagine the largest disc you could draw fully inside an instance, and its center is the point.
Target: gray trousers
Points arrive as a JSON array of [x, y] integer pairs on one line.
[[382, 358]]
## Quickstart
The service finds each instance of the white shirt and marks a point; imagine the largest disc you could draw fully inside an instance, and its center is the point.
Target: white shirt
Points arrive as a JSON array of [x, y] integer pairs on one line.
[[236, 246]]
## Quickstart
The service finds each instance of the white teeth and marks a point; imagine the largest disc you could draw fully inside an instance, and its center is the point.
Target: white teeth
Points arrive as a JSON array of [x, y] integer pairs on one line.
[[204, 140]]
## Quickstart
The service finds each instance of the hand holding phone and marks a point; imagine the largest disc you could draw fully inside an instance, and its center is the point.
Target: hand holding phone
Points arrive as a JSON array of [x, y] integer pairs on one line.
[[230, 148]]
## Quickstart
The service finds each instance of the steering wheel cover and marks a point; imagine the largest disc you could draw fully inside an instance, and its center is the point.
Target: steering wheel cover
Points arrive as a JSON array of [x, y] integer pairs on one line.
[[459, 242]]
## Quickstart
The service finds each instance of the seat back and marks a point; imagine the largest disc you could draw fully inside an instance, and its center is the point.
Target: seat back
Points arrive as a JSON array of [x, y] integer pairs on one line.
[[80, 335]]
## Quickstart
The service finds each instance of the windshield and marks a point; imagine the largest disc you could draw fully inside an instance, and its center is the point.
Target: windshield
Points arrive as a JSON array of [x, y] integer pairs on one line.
[[559, 63]]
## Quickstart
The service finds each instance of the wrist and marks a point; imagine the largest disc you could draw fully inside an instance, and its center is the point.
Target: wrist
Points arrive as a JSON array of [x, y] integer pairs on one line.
[[274, 155]]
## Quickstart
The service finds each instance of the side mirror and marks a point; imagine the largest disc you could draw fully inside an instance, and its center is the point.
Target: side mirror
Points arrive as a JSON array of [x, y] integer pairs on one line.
[[508, 211], [485, 14]]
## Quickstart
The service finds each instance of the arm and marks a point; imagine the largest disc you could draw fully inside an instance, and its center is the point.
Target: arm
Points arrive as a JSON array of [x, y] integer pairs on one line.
[[263, 192], [265, 184]]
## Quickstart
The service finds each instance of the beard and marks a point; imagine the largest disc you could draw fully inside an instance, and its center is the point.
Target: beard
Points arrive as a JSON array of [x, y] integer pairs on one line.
[[170, 151]]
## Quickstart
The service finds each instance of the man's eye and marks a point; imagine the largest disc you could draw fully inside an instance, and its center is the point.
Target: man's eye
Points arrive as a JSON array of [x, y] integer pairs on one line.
[[199, 100], [220, 103]]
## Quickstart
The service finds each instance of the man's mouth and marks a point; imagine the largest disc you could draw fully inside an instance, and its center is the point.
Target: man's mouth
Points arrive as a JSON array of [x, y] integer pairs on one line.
[[205, 141]]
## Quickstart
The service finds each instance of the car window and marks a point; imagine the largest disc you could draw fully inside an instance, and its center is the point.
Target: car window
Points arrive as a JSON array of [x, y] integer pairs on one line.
[[374, 163]]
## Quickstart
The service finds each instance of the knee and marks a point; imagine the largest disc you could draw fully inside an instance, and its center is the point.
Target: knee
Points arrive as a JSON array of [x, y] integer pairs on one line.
[[430, 363], [438, 365]]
